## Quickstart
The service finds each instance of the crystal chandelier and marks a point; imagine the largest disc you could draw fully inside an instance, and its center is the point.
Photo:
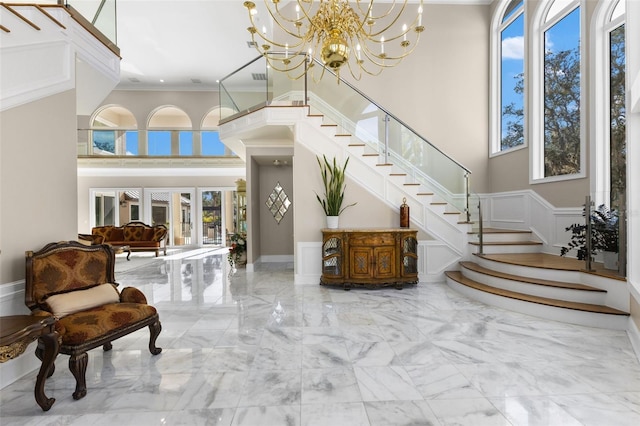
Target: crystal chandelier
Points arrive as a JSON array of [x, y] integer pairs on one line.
[[337, 33]]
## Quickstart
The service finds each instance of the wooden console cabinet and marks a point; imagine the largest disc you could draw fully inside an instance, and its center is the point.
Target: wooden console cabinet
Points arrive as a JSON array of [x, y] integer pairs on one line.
[[369, 257]]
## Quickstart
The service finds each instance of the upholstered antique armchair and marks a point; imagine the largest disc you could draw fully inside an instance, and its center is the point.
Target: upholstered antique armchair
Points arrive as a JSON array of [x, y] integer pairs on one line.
[[75, 283]]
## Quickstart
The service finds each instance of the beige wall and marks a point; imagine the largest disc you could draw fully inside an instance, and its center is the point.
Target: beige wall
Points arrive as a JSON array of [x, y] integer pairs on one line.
[[38, 179], [369, 212], [441, 90]]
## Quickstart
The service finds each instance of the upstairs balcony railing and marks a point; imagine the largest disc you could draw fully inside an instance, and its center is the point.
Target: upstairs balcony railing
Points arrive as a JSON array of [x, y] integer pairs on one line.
[[255, 86], [100, 13]]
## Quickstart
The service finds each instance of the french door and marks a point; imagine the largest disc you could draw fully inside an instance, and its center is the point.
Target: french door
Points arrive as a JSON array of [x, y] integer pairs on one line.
[[215, 215], [172, 208]]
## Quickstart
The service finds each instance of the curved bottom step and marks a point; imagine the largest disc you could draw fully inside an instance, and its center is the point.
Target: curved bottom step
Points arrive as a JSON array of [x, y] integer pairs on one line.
[[559, 310]]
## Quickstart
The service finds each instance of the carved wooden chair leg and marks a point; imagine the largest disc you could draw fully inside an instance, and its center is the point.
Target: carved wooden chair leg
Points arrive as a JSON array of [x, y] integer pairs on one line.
[[78, 367], [155, 330], [107, 346], [40, 356], [50, 351]]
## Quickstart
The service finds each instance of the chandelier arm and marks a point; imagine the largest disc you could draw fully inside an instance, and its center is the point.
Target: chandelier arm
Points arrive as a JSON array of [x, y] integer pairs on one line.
[[386, 13], [391, 24], [286, 30]]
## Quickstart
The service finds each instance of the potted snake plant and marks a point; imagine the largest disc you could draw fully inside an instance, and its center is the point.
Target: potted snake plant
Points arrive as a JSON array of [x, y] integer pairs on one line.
[[333, 178]]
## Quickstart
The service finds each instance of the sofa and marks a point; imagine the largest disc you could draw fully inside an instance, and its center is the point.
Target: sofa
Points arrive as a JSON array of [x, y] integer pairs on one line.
[[137, 235], [75, 284]]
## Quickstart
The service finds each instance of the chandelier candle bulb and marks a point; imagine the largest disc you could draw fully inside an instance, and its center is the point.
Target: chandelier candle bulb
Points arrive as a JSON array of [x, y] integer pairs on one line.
[[404, 30], [420, 16]]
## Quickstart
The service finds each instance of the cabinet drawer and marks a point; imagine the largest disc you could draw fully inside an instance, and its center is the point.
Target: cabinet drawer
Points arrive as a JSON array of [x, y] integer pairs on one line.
[[374, 240]]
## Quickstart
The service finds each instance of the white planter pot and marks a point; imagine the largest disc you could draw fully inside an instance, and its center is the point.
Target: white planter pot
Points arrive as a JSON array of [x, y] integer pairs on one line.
[[610, 260], [332, 222]]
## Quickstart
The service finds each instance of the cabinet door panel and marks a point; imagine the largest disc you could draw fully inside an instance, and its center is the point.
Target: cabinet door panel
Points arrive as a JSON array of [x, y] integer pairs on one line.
[[360, 262], [385, 262]]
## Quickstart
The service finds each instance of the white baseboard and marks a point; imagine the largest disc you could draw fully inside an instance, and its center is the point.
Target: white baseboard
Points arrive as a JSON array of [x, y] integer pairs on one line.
[[276, 258]]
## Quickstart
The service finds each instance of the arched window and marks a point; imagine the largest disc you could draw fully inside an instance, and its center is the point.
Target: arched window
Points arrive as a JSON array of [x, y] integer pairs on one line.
[[170, 132], [113, 132], [557, 135], [609, 113], [507, 95]]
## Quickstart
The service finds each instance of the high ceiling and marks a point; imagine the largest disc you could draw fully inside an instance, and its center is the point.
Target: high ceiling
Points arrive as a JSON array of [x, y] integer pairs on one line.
[[188, 44]]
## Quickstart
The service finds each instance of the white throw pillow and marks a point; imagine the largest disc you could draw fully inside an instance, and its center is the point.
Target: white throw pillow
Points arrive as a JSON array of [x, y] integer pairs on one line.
[[64, 304]]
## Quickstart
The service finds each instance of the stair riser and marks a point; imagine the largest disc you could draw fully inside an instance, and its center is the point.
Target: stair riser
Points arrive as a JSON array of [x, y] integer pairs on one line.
[[503, 238], [507, 249], [593, 297], [606, 321], [525, 271]]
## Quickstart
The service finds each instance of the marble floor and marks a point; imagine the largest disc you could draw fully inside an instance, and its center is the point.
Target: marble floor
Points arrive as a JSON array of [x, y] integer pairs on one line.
[[255, 349]]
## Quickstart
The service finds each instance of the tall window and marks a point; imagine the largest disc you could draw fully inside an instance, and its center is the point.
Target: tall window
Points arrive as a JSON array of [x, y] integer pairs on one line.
[[511, 75], [557, 132], [562, 96], [617, 111]]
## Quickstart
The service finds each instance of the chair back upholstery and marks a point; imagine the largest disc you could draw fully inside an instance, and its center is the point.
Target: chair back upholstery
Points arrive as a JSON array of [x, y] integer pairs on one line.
[[66, 266]]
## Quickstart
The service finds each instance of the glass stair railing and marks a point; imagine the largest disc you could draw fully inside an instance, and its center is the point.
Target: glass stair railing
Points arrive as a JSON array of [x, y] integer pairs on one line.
[[255, 86]]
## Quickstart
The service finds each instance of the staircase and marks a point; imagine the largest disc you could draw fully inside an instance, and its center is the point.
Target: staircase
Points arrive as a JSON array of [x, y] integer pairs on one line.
[[49, 49], [429, 213], [512, 273]]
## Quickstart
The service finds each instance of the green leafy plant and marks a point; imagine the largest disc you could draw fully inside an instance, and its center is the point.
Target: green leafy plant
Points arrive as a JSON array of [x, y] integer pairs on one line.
[[238, 246], [333, 176], [604, 233]]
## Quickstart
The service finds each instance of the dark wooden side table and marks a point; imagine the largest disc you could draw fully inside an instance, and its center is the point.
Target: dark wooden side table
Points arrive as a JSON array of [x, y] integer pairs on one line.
[[122, 249], [16, 332]]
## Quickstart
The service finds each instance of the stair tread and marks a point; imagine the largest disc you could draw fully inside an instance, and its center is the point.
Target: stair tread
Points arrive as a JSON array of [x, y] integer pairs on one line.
[[507, 243], [529, 280], [577, 306]]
